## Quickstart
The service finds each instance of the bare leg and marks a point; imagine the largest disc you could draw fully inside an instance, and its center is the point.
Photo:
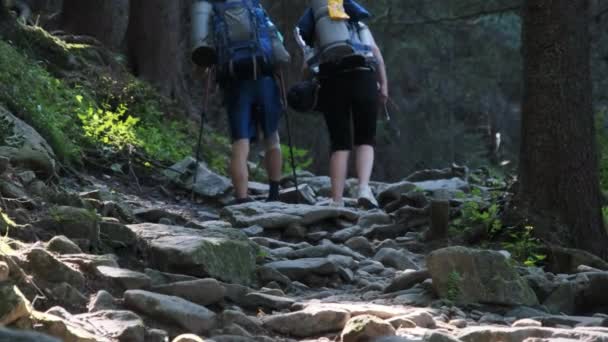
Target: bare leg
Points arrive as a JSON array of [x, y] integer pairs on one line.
[[338, 169], [273, 158], [238, 168], [365, 164]]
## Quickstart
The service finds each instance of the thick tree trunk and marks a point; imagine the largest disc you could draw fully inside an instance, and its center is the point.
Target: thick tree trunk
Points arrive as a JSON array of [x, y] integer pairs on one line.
[[558, 163], [158, 43], [105, 20]]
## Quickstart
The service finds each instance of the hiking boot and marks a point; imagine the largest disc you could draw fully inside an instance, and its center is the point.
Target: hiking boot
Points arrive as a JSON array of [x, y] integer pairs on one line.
[[366, 198]]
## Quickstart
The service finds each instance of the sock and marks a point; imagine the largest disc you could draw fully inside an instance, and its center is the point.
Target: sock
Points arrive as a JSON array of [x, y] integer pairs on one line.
[[273, 194]]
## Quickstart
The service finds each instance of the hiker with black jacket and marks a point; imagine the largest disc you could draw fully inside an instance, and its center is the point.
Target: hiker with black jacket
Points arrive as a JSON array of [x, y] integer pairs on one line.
[[246, 49], [353, 85]]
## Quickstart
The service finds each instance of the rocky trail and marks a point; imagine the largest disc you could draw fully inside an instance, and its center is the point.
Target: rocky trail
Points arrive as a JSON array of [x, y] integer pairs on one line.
[[92, 259]]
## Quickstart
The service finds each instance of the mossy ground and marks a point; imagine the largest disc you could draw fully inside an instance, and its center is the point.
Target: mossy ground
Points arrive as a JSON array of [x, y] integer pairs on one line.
[[53, 86]]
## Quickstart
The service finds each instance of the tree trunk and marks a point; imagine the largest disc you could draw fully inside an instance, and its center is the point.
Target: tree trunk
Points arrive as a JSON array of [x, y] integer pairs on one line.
[[558, 163], [105, 20], [158, 45]]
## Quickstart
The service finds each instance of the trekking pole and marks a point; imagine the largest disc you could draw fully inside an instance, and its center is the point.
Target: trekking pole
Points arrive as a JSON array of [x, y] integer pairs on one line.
[[201, 129], [289, 142], [394, 130]]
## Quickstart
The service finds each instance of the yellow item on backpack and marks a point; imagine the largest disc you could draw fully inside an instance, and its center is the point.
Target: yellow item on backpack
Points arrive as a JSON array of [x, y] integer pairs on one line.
[[336, 10]]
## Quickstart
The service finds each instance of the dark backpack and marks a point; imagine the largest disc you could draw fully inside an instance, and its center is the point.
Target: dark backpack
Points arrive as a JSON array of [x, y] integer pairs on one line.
[[242, 39]]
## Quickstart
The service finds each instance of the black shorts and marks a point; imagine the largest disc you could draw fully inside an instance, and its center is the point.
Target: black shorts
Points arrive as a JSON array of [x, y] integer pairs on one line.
[[349, 101]]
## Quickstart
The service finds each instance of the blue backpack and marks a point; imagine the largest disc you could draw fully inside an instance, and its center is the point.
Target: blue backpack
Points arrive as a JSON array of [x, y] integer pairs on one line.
[[242, 39]]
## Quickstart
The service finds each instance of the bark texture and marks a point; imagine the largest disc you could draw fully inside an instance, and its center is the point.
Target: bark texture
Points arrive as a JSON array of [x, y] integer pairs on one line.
[[558, 161], [105, 20], [158, 46]]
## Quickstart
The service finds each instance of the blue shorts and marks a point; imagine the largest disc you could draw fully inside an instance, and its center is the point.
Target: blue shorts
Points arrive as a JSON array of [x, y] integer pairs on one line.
[[253, 104]]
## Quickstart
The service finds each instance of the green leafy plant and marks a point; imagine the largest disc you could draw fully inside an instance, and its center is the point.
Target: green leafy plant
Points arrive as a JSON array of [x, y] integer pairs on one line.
[[525, 248], [473, 215], [302, 158], [112, 128], [602, 142], [454, 282]]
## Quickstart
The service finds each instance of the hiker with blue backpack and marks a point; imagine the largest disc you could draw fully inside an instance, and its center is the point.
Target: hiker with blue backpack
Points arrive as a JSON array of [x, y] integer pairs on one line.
[[238, 40], [348, 68]]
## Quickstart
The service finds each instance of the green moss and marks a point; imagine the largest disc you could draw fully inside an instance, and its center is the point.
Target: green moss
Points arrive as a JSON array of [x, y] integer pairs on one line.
[[58, 88], [44, 102], [229, 257]]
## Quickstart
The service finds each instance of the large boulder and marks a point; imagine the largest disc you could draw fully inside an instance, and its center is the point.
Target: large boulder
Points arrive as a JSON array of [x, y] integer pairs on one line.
[[78, 224], [278, 215], [224, 254], [208, 184], [10, 335], [13, 305], [478, 276], [20, 143]]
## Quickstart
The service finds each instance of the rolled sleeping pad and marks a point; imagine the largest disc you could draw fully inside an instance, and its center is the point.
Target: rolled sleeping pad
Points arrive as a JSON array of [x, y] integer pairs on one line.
[[203, 49], [332, 35]]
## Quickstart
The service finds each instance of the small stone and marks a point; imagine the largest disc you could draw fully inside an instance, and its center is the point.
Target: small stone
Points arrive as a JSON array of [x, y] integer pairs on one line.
[[304, 194], [166, 221], [4, 271], [296, 231], [4, 164], [395, 259], [163, 278], [10, 335], [407, 280], [63, 245], [186, 314], [26, 177], [421, 318], [308, 323], [156, 335], [66, 293], [459, 323], [402, 323], [251, 324], [103, 300], [366, 328], [123, 278], [116, 233], [46, 267], [188, 338], [253, 231], [201, 291], [361, 245], [118, 325], [257, 300], [526, 322]]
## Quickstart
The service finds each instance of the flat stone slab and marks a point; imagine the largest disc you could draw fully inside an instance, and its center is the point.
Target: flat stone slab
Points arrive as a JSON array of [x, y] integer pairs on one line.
[[278, 215], [224, 254]]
